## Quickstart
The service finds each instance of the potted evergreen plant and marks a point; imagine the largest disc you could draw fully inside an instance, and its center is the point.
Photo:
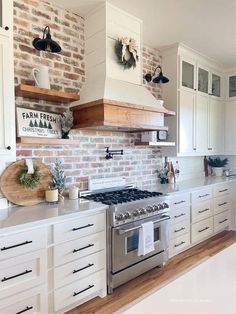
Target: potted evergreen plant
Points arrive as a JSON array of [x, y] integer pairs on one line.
[[217, 165]]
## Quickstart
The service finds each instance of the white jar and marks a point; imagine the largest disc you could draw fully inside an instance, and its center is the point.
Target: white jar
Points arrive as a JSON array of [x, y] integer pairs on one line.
[[73, 193]]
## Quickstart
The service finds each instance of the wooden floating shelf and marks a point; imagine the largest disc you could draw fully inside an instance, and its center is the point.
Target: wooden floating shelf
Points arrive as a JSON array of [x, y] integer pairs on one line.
[[154, 143], [27, 140], [34, 92]]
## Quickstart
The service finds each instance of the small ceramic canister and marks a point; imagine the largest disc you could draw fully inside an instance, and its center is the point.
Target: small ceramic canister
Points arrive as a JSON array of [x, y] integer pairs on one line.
[[51, 196], [73, 193]]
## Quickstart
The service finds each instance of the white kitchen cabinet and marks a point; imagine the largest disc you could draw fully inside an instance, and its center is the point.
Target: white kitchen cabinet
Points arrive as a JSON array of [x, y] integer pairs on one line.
[[194, 92], [7, 102]]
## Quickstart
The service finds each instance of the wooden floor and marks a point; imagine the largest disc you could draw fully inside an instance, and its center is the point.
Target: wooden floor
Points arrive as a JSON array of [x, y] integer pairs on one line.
[[157, 276]]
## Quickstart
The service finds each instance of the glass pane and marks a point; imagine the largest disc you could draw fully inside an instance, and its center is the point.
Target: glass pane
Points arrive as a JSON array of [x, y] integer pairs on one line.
[[215, 85], [203, 80], [187, 74], [0, 13], [232, 86]]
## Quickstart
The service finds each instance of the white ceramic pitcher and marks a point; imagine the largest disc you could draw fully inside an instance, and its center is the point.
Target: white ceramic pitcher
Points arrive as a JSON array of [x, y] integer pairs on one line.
[[41, 77]]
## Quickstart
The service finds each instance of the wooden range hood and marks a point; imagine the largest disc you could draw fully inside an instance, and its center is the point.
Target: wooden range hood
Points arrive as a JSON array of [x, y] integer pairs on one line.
[[105, 114]]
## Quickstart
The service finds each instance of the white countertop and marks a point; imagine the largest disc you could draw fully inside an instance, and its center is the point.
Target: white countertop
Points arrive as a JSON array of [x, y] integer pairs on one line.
[[189, 185], [47, 213]]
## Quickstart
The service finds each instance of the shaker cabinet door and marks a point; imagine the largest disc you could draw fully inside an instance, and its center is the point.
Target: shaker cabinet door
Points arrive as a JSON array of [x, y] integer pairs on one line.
[[216, 126]]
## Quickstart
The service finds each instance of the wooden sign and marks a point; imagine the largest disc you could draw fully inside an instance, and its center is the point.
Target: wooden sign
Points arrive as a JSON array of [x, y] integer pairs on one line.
[[38, 123]]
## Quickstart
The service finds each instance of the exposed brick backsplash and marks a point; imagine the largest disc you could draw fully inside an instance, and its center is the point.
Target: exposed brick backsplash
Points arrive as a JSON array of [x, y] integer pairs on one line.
[[67, 73]]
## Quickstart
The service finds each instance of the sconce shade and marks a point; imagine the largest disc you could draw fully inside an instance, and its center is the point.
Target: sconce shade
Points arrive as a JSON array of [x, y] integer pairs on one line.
[[46, 43], [160, 78]]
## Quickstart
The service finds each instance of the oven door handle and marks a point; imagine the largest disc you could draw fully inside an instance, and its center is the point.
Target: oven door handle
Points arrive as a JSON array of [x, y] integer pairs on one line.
[[122, 231]]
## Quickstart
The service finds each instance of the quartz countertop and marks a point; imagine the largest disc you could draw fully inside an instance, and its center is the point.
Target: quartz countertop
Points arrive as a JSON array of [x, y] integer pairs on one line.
[[189, 185], [47, 213]]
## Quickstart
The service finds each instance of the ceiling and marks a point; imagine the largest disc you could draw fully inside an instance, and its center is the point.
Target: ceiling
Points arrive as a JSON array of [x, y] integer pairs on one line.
[[208, 26]]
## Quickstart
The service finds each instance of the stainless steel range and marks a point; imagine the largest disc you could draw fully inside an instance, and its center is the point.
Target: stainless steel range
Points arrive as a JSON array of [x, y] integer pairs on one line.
[[128, 209]]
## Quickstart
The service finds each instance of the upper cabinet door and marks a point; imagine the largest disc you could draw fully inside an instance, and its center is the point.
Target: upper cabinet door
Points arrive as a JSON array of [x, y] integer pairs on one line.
[[232, 86], [215, 85], [187, 74], [203, 80], [6, 17]]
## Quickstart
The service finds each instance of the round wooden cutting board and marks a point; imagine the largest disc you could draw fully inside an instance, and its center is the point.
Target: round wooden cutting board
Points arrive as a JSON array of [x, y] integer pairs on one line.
[[18, 194]]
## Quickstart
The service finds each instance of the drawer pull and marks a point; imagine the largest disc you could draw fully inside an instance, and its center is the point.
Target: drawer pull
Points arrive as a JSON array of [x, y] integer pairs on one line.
[[83, 227], [16, 245], [25, 310], [80, 269], [181, 243], [204, 195], [203, 210], [223, 204], [180, 202], [83, 248], [81, 291], [220, 222], [182, 214], [178, 230], [204, 229], [18, 275], [220, 191]]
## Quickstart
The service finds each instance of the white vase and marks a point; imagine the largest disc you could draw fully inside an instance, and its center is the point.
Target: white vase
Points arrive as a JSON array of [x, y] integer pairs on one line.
[[217, 171]]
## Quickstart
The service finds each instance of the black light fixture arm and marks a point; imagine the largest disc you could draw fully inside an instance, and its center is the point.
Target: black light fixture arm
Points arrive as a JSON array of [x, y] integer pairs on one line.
[[46, 32], [111, 152]]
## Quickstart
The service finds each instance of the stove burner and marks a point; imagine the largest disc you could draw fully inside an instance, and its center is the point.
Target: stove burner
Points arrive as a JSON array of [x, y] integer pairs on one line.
[[121, 196]]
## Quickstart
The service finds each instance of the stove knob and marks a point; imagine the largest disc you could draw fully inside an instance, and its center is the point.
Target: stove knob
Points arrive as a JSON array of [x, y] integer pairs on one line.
[[165, 205], [150, 209], [156, 208], [136, 213], [120, 217], [127, 215], [143, 211], [159, 206]]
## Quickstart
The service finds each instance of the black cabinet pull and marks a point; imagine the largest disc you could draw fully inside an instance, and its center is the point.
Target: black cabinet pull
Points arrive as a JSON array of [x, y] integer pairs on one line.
[[177, 203], [18, 275], [8, 147], [81, 291], [203, 210], [182, 214], [178, 230], [6, 28], [204, 229], [222, 204], [181, 243], [16, 245], [83, 248], [25, 310], [223, 190], [204, 195], [87, 226], [220, 222], [80, 269]]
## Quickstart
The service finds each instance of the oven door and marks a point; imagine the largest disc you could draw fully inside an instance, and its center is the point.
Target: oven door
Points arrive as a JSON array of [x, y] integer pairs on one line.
[[125, 242]]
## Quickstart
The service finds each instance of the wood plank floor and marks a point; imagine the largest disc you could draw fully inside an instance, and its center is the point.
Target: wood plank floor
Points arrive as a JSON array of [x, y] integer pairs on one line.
[[154, 278]]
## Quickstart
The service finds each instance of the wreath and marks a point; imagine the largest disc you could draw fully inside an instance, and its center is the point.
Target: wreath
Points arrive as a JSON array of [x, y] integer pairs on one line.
[[126, 52], [27, 180]]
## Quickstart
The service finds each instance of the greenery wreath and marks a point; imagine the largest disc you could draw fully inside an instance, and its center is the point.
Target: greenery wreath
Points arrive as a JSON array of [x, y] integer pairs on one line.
[[126, 52], [29, 181]]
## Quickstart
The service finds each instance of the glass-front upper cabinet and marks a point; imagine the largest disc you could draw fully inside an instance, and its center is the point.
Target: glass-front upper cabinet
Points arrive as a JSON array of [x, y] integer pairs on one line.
[[215, 85], [232, 86], [187, 79], [203, 80]]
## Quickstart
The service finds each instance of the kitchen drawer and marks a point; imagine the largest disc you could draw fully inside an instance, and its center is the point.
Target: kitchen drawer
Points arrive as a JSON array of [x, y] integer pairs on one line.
[[179, 229], [78, 269], [202, 229], [221, 221], [29, 302], [222, 203], [201, 195], [178, 215], [78, 227], [23, 272], [179, 244], [179, 200], [202, 210], [79, 290], [22, 242], [222, 189], [75, 249]]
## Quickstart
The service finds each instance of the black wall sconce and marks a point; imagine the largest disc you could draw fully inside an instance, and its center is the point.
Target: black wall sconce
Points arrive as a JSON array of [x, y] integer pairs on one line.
[[46, 43], [110, 153], [160, 78]]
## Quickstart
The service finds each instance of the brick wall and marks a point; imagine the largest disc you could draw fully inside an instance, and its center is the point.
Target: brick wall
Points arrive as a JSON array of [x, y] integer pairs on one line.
[[67, 72]]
